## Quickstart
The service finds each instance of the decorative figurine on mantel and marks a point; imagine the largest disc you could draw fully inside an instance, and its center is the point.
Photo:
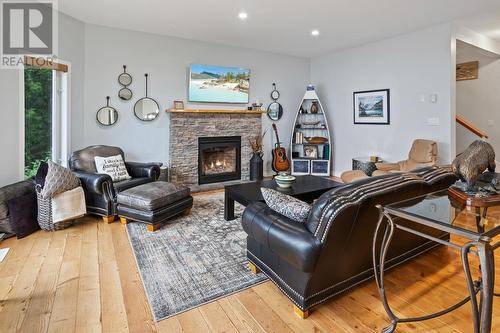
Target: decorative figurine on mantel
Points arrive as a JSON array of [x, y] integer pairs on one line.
[[471, 164]]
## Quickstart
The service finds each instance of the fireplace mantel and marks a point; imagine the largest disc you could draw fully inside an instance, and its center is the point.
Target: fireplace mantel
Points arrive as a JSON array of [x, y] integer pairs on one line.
[[223, 111]]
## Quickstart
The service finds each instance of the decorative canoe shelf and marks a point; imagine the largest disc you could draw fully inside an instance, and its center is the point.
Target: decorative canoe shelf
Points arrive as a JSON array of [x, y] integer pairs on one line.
[[310, 125], [238, 111]]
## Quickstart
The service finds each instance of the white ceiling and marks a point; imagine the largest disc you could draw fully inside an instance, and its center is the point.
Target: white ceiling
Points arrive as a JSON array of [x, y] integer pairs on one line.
[[282, 26]]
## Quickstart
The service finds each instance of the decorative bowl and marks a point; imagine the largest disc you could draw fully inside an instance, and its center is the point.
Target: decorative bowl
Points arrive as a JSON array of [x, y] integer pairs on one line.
[[284, 180], [311, 123], [316, 139]]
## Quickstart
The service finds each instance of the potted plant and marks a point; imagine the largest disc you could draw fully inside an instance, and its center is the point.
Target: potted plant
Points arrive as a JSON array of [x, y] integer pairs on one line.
[[256, 162]]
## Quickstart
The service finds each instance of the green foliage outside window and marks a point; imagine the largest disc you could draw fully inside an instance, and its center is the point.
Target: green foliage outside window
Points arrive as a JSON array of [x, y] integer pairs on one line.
[[38, 118]]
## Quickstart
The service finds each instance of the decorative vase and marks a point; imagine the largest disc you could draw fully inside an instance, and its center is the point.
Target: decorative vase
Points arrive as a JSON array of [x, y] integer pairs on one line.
[[256, 167], [314, 107]]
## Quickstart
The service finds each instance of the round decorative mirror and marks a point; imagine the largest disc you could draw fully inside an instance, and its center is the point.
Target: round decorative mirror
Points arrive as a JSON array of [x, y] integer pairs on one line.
[[275, 111], [124, 79], [275, 94], [107, 115], [125, 94], [146, 109]]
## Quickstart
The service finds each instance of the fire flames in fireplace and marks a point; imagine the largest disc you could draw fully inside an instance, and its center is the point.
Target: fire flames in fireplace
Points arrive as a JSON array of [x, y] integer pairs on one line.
[[219, 161]]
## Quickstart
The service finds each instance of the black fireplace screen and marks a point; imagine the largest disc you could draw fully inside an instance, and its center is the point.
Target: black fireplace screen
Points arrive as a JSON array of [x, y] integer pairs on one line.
[[219, 159]]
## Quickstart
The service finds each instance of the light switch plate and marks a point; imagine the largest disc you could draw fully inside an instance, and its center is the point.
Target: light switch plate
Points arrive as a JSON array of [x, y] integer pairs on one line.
[[433, 98], [491, 122], [433, 121]]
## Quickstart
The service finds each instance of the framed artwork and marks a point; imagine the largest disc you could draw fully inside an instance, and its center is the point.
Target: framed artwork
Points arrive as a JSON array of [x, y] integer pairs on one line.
[[320, 168], [217, 84], [372, 107], [311, 151], [301, 167], [467, 70]]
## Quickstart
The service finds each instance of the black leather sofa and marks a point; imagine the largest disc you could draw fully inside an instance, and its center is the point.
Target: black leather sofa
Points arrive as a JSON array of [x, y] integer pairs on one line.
[[100, 190], [332, 251]]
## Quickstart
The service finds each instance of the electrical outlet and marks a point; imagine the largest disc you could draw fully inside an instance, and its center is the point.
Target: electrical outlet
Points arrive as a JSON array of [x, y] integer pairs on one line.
[[491, 122], [433, 98]]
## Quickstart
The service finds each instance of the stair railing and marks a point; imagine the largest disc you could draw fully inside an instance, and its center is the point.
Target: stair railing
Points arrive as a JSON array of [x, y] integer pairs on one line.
[[472, 128]]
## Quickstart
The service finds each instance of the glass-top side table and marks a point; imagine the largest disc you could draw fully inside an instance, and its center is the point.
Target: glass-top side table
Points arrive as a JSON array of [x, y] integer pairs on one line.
[[435, 210]]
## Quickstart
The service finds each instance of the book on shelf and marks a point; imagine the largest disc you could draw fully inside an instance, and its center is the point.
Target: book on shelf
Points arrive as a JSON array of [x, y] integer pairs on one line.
[[299, 137]]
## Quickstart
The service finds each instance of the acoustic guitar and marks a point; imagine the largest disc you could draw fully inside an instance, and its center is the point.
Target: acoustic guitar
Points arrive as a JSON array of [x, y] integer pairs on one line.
[[280, 161]]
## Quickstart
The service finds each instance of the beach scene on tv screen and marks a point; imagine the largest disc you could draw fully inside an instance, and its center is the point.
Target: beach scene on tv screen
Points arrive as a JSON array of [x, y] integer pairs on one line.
[[218, 84]]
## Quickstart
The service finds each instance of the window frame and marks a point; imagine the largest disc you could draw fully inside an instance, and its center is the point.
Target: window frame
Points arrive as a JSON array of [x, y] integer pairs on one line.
[[63, 136]]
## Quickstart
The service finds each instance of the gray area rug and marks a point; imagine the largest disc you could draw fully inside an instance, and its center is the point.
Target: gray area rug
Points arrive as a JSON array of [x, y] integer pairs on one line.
[[192, 260]]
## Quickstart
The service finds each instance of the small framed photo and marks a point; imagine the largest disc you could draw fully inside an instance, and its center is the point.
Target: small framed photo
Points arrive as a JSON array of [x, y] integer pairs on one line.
[[311, 151], [372, 107], [178, 105], [301, 167]]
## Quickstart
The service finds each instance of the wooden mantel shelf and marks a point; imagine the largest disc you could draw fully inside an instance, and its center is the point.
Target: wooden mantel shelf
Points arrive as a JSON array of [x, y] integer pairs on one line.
[[239, 111]]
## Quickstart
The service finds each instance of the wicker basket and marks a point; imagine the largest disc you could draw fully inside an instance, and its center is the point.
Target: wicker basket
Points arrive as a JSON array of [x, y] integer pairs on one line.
[[45, 214]]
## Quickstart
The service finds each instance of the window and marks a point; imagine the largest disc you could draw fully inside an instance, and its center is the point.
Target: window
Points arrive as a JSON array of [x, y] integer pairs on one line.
[[45, 115]]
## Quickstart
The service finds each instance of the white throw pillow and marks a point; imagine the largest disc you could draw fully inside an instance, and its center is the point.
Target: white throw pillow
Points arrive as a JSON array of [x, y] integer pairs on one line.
[[113, 166]]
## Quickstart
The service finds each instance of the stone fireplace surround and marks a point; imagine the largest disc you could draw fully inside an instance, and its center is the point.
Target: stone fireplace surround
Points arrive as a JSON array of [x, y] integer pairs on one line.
[[187, 127]]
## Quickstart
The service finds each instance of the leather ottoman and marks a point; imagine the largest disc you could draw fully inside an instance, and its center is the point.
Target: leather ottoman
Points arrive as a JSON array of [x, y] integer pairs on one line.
[[153, 203]]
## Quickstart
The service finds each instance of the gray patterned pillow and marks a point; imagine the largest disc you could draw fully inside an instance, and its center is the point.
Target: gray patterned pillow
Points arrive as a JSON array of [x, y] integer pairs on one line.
[[286, 205], [58, 180]]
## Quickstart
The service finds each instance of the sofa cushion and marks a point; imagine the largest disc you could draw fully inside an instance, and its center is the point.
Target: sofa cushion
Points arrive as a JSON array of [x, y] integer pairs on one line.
[[153, 195], [58, 180], [11, 191], [423, 151], [290, 240], [113, 166], [332, 204], [129, 183], [23, 214], [286, 205], [83, 160], [352, 176]]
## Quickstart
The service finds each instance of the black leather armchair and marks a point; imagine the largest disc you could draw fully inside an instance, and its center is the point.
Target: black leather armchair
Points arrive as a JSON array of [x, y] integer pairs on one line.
[[332, 251], [100, 190]]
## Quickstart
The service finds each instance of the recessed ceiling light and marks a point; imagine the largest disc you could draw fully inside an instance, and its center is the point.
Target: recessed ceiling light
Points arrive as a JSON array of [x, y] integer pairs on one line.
[[243, 16], [315, 32]]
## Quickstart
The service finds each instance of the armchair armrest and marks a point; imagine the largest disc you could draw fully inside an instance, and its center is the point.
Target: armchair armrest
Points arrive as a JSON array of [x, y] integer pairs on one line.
[[290, 240], [387, 166], [149, 170], [96, 183]]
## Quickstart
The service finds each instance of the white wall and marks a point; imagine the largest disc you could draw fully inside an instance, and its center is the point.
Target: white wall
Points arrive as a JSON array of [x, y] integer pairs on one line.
[[412, 66], [10, 119], [477, 99], [167, 60], [71, 45]]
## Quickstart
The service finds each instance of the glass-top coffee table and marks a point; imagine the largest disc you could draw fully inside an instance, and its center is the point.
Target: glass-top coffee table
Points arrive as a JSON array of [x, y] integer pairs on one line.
[[438, 210]]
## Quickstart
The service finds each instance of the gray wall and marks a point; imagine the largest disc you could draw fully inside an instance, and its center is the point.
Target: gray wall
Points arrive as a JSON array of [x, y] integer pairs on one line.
[[477, 99], [412, 66], [71, 49], [167, 60]]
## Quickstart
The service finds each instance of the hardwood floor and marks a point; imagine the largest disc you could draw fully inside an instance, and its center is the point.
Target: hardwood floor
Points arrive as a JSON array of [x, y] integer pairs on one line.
[[84, 279]]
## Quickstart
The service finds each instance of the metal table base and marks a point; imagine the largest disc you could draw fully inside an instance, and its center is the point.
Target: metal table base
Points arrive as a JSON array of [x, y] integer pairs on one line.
[[481, 311]]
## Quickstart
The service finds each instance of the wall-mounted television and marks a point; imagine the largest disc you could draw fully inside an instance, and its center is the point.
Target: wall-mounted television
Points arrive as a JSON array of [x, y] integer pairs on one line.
[[217, 84]]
